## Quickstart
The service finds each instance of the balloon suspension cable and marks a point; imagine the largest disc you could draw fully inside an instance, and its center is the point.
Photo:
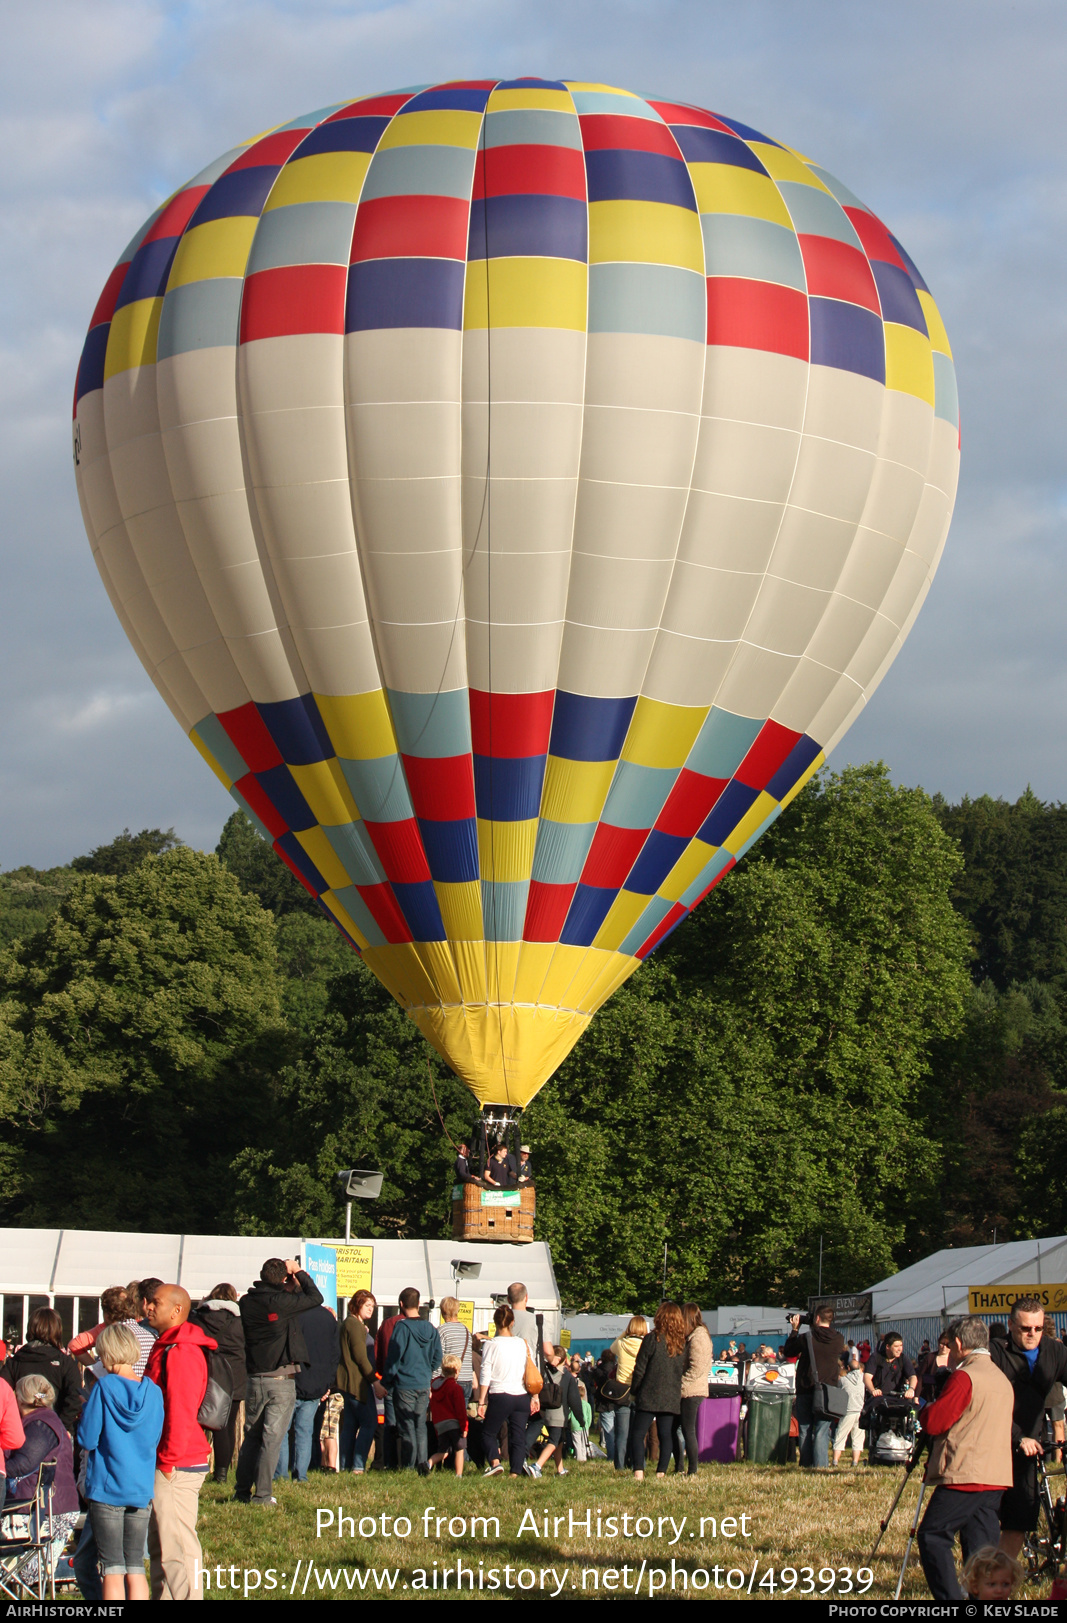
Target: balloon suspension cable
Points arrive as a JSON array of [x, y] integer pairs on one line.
[[498, 1123], [437, 1107]]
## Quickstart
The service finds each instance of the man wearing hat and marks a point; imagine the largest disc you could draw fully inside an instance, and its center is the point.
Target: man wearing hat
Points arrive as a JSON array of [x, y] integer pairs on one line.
[[523, 1172]]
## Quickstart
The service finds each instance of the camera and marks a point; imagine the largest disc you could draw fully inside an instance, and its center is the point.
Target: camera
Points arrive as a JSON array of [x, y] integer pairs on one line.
[[801, 1318]]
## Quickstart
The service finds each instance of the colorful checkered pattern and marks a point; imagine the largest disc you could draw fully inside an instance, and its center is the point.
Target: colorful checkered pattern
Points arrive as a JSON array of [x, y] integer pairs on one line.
[[515, 489]]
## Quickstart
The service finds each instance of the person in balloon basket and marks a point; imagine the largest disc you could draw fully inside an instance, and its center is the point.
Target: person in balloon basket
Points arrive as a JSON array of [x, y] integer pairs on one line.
[[275, 1352], [522, 1169], [1032, 1362], [415, 1352], [970, 1458], [465, 1173], [178, 1366], [498, 1172]]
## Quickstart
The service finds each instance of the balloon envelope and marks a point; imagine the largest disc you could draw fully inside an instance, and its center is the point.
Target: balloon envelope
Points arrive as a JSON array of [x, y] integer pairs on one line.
[[514, 490]]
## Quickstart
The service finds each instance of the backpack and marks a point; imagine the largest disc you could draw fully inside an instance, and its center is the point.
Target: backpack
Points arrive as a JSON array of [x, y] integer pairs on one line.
[[217, 1402], [552, 1391]]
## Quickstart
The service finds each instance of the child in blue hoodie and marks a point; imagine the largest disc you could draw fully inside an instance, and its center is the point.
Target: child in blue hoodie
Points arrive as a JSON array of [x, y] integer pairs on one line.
[[119, 1429]]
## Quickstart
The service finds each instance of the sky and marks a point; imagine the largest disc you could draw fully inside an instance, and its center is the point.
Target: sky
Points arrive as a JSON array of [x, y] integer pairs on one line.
[[946, 119]]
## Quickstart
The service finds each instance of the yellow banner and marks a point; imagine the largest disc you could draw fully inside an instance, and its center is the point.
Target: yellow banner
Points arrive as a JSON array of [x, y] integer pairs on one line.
[[355, 1265], [999, 1298], [466, 1315], [565, 1339]]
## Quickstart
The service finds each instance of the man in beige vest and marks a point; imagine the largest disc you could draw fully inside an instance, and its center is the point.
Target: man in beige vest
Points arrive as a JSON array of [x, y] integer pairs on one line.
[[970, 1457]]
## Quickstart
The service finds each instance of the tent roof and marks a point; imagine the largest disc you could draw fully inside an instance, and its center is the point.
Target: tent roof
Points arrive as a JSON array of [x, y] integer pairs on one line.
[[83, 1262], [939, 1283]]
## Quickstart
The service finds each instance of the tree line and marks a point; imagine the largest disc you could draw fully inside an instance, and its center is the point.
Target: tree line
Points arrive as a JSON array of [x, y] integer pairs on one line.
[[859, 1037]]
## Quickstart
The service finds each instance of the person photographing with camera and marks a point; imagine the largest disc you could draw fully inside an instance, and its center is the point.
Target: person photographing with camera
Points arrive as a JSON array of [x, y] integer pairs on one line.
[[275, 1353], [970, 1457], [1032, 1363], [817, 1347]]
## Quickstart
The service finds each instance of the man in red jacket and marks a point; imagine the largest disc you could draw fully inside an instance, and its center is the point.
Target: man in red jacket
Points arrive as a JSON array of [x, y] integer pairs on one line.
[[970, 1457], [178, 1365]]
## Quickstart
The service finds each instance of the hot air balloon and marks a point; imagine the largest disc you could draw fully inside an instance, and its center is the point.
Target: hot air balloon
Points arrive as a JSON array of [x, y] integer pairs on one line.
[[514, 489]]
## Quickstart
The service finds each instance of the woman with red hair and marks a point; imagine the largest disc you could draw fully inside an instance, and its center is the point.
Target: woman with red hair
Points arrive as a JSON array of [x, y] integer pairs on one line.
[[656, 1386]]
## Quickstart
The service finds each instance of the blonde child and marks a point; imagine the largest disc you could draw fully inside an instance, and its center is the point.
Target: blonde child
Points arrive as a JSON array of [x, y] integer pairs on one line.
[[991, 1574], [448, 1412]]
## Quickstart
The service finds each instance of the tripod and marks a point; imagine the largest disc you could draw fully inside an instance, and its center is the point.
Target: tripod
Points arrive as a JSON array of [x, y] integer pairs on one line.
[[921, 1444]]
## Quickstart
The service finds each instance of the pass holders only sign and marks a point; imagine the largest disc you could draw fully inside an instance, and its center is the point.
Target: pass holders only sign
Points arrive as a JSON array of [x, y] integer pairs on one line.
[[1000, 1298], [320, 1261]]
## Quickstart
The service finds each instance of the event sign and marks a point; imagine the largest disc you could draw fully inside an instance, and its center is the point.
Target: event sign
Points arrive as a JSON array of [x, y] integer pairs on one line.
[[501, 1197], [320, 1261], [466, 1315], [856, 1309], [355, 1265], [999, 1298]]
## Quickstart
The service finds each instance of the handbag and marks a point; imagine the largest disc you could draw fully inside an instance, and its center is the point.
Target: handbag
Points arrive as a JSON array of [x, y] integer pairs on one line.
[[531, 1378], [829, 1400], [615, 1391]]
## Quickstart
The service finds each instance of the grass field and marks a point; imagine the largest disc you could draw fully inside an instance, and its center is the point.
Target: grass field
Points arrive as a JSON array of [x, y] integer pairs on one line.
[[824, 1521]]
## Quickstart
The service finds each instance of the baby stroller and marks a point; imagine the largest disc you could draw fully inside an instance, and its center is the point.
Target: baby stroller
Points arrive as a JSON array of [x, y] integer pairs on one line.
[[892, 1425]]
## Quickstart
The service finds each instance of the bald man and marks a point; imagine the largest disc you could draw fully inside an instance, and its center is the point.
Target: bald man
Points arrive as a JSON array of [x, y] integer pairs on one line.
[[178, 1365]]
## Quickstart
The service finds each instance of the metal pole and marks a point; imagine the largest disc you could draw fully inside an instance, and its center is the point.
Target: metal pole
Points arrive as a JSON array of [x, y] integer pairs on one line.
[[911, 1540], [348, 1221], [819, 1292], [664, 1270], [882, 1526]]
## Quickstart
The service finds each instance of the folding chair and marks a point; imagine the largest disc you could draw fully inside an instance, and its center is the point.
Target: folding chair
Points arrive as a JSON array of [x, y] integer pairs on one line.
[[15, 1550]]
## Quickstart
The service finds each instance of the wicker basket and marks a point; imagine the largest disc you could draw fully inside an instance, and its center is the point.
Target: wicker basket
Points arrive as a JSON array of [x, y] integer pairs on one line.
[[492, 1214]]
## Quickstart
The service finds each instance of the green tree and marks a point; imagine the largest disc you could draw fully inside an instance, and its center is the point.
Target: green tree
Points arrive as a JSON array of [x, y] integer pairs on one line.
[[1042, 1172], [360, 1093], [135, 1032], [127, 851], [1012, 888], [758, 1086], [993, 1084], [28, 898]]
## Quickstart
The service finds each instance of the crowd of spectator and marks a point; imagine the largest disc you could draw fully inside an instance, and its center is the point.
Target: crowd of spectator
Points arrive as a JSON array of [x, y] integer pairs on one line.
[[130, 1416]]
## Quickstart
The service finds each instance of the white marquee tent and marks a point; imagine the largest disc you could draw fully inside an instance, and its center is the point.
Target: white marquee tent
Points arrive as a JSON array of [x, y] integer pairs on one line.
[[69, 1268], [923, 1297]]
